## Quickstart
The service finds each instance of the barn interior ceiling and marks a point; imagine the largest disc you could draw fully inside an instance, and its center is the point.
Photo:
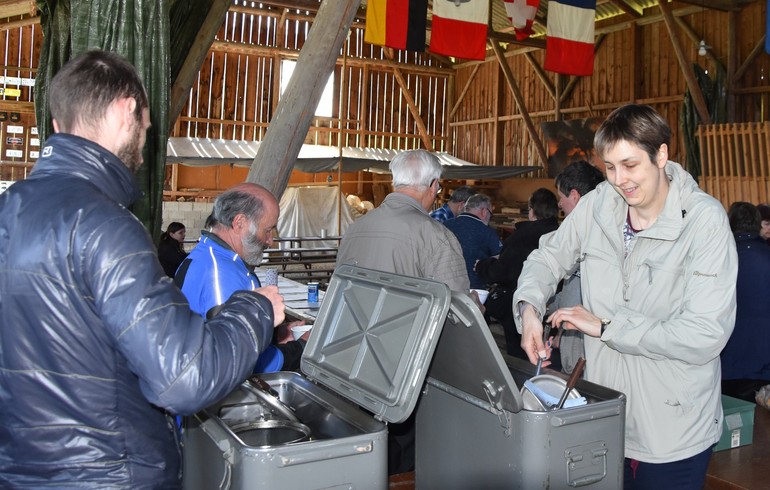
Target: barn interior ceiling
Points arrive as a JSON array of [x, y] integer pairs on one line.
[[16, 13]]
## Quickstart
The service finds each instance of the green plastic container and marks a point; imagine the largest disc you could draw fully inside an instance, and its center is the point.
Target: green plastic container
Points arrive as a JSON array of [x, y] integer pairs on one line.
[[738, 424]]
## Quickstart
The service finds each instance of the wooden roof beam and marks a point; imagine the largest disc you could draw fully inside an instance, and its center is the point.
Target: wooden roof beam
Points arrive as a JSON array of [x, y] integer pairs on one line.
[[724, 5], [633, 11]]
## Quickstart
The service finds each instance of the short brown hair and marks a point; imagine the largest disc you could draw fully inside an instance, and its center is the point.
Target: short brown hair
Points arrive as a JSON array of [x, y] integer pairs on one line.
[[82, 91], [634, 123]]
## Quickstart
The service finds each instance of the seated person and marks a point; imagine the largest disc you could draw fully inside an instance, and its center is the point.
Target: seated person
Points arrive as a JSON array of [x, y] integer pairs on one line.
[[476, 238], [170, 248], [454, 206], [242, 225], [745, 366], [504, 271]]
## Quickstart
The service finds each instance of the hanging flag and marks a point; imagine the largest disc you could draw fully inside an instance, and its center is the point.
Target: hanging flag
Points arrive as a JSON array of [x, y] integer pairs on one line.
[[569, 47], [522, 13], [460, 28], [397, 24]]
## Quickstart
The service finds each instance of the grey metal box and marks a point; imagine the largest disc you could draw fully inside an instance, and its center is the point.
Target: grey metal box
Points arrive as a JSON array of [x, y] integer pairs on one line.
[[473, 433], [349, 449], [373, 339]]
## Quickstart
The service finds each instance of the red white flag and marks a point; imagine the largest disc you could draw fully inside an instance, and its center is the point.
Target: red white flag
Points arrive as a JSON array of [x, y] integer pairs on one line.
[[460, 28], [569, 47], [522, 14]]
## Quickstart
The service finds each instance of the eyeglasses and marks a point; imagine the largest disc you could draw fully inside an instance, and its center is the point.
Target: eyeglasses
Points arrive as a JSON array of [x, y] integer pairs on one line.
[[489, 210], [438, 188]]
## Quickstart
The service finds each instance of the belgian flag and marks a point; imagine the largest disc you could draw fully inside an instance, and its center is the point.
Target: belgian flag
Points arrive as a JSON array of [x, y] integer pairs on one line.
[[397, 24]]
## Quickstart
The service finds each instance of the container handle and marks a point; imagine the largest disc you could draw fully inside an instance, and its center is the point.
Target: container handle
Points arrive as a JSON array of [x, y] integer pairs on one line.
[[292, 457]]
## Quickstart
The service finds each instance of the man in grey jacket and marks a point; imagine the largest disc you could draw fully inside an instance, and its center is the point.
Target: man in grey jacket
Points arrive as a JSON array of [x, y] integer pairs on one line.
[[658, 269], [575, 181], [399, 236], [96, 344]]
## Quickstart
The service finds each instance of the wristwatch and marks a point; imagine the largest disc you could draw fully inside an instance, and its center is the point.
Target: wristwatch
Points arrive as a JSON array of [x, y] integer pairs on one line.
[[604, 322]]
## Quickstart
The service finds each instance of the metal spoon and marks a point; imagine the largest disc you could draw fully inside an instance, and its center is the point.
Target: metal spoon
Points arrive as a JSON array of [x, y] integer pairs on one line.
[[546, 333]]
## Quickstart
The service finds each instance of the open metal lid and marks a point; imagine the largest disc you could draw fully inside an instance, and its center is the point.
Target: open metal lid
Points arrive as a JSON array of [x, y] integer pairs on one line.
[[374, 338], [468, 359]]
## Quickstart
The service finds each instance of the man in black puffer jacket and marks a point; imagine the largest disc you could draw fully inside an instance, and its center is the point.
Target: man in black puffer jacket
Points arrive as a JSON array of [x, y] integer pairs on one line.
[[96, 343]]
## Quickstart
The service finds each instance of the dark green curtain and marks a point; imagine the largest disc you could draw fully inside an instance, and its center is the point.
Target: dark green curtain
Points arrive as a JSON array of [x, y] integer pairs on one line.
[[714, 91], [139, 31]]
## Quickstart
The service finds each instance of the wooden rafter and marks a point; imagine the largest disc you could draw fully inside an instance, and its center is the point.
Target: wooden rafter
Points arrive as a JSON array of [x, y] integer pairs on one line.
[[684, 65], [464, 91], [633, 11], [520, 102], [413, 109]]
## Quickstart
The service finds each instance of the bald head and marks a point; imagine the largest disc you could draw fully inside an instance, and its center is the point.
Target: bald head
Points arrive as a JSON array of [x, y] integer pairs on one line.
[[246, 217]]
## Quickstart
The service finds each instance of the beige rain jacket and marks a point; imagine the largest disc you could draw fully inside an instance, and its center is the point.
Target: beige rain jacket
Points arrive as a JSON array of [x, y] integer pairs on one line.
[[671, 303]]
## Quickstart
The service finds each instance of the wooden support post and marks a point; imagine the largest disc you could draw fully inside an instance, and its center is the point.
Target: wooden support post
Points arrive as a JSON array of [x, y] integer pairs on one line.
[[465, 90], [748, 61], [684, 64], [278, 151], [520, 102], [541, 75], [410, 103], [732, 55], [180, 91], [557, 97]]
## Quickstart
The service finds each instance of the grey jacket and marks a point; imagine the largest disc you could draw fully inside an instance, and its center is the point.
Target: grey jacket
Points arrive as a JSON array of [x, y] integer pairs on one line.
[[671, 303], [399, 237], [571, 341], [95, 340]]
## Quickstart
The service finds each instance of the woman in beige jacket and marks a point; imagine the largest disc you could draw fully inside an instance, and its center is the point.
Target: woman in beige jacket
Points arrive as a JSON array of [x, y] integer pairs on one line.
[[658, 270]]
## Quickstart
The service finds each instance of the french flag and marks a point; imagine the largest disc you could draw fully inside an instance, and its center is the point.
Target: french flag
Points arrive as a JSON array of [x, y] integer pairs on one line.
[[522, 13], [460, 28], [569, 47]]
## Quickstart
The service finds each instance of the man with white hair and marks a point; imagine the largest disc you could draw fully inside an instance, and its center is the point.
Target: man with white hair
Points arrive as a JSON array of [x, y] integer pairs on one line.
[[399, 236]]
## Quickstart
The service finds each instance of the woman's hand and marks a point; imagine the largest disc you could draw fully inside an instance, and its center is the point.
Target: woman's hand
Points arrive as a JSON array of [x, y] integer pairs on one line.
[[577, 318]]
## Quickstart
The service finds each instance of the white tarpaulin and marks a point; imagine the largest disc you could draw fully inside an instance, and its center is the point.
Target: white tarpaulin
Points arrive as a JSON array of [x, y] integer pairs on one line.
[[305, 211], [318, 158]]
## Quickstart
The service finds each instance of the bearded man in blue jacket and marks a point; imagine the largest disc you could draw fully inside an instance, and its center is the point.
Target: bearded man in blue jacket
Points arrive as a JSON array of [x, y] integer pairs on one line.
[[97, 346]]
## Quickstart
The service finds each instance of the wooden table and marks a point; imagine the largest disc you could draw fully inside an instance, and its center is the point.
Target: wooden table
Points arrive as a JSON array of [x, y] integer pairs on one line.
[[305, 251], [295, 297], [745, 467]]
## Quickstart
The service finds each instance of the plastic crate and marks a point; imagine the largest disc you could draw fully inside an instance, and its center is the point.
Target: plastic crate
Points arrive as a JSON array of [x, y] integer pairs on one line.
[[738, 424]]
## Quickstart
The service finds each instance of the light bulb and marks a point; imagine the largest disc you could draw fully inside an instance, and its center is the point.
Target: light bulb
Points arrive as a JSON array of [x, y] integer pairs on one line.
[[702, 48]]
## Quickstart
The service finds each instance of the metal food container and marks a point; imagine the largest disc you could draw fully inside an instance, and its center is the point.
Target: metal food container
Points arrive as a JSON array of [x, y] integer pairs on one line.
[[473, 430], [364, 365]]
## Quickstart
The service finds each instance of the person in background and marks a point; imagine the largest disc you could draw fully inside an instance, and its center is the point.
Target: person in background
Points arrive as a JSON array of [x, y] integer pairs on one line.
[[454, 206], [764, 211], [745, 358], [575, 181], [398, 236], [97, 346], [170, 248], [242, 224], [504, 271], [657, 267], [476, 238]]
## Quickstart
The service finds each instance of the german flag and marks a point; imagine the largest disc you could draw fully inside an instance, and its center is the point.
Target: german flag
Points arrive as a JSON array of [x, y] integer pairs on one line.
[[397, 24]]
